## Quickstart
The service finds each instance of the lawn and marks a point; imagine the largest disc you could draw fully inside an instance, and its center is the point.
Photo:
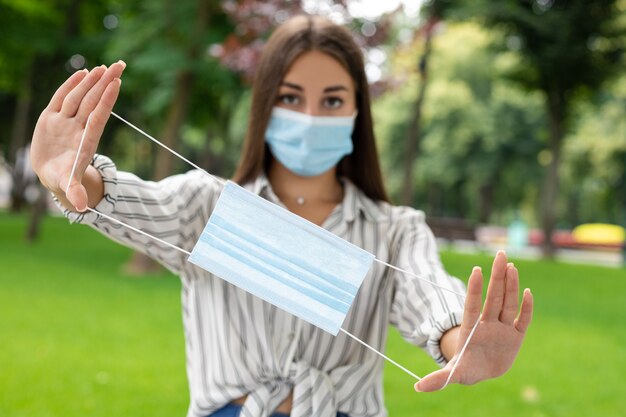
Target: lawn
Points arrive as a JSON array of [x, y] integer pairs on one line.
[[78, 337]]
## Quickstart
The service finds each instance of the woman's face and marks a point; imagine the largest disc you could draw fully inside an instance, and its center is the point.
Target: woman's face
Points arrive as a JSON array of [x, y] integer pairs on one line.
[[317, 84]]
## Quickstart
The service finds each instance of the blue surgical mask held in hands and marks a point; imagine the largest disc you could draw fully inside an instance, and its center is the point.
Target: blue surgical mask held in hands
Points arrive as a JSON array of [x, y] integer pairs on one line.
[[309, 145], [281, 258]]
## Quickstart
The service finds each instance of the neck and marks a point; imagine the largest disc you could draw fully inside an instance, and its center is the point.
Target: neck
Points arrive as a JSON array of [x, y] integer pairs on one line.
[[321, 188]]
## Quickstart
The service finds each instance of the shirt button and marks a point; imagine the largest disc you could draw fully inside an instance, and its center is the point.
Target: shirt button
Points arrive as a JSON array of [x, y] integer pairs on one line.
[[291, 335]]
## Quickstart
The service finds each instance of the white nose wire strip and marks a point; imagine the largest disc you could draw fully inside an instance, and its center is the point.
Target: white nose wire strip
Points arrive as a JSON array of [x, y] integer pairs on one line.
[[73, 171]]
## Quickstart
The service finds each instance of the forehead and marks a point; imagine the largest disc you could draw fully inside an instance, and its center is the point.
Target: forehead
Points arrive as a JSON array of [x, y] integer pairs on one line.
[[317, 69]]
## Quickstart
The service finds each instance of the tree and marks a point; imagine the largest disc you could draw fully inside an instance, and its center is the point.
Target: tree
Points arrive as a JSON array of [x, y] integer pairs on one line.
[[594, 158], [413, 132], [479, 136], [566, 47], [58, 35], [168, 63]]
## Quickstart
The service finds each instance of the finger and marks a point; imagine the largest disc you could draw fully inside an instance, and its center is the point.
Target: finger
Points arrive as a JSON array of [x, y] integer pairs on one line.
[[511, 295], [74, 98], [433, 381], [101, 114], [64, 89], [495, 291], [473, 301], [92, 98], [526, 312]]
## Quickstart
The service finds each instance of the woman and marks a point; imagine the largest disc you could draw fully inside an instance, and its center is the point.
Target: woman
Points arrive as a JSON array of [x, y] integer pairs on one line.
[[243, 354]]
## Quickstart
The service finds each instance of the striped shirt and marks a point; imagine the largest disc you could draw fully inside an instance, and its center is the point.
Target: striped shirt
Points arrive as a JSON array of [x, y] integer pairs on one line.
[[238, 344]]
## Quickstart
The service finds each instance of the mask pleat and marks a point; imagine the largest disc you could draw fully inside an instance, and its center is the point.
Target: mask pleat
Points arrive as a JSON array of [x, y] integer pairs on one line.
[[281, 258]]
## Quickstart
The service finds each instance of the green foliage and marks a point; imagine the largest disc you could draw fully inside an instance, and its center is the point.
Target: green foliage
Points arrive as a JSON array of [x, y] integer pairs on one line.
[[26, 29], [158, 40], [595, 157], [485, 125], [478, 129], [481, 131], [564, 44], [37, 43]]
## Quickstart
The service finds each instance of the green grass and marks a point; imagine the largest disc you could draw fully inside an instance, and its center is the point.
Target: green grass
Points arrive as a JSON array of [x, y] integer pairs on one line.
[[79, 337]]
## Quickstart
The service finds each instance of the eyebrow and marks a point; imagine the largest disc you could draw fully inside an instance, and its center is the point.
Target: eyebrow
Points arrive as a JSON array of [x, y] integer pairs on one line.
[[326, 90]]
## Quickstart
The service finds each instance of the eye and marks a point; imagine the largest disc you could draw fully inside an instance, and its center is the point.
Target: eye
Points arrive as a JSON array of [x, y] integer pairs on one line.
[[333, 102], [289, 99]]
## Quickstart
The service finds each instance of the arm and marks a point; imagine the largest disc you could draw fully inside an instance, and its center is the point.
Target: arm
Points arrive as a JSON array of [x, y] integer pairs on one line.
[[423, 312], [174, 210], [437, 321]]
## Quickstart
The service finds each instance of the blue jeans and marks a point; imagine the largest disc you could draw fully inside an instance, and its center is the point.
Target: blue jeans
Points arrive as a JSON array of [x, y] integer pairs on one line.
[[233, 410]]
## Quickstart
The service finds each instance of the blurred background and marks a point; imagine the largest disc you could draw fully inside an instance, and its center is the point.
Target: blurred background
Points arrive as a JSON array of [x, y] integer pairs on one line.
[[487, 115], [504, 121]]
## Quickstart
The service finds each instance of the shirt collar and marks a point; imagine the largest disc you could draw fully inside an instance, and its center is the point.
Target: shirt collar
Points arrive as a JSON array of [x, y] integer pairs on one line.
[[354, 201]]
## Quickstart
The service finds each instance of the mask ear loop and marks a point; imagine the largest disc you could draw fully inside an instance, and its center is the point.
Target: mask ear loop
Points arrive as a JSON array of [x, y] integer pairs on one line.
[[221, 181]]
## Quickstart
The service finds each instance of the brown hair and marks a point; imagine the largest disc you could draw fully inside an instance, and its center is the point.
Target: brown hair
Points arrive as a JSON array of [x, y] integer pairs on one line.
[[301, 34]]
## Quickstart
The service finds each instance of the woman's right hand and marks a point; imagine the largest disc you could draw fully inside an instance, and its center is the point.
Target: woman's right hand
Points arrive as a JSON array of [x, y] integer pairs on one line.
[[59, 130]]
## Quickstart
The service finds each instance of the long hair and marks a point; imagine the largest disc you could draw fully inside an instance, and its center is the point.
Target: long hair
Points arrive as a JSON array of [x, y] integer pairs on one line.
[[298, 35]]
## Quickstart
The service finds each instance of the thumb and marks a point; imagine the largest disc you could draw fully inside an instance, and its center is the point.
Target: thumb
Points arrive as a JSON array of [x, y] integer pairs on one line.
[[76, 194], [433, 381]]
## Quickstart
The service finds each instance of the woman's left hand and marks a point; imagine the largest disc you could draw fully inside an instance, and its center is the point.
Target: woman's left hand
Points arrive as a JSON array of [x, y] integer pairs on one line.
[[499, 334]]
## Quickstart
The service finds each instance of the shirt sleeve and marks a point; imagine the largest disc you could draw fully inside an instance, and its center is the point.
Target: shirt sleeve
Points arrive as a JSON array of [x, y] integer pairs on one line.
[[174, 210], [421, 311]]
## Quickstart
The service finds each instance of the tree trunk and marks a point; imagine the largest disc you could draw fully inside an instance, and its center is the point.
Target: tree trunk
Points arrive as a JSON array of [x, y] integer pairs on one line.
[[72, 22], [434, 200], [175, 117], [556, 118], [573, 202], [38, 211], [141, 264], [486, 203], [19, 139], [413, 136], [177, 112], [209, 160]]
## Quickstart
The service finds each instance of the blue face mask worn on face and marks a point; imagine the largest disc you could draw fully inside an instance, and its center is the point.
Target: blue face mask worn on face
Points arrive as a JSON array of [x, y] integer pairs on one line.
[[309, 145]]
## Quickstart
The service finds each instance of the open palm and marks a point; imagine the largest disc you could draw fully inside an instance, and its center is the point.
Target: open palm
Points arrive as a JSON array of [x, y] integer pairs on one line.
[[499, 330], [84, 95]]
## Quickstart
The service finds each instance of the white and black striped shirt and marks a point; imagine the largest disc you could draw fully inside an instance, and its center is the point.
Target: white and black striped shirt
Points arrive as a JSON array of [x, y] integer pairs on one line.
[[237, 344]]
